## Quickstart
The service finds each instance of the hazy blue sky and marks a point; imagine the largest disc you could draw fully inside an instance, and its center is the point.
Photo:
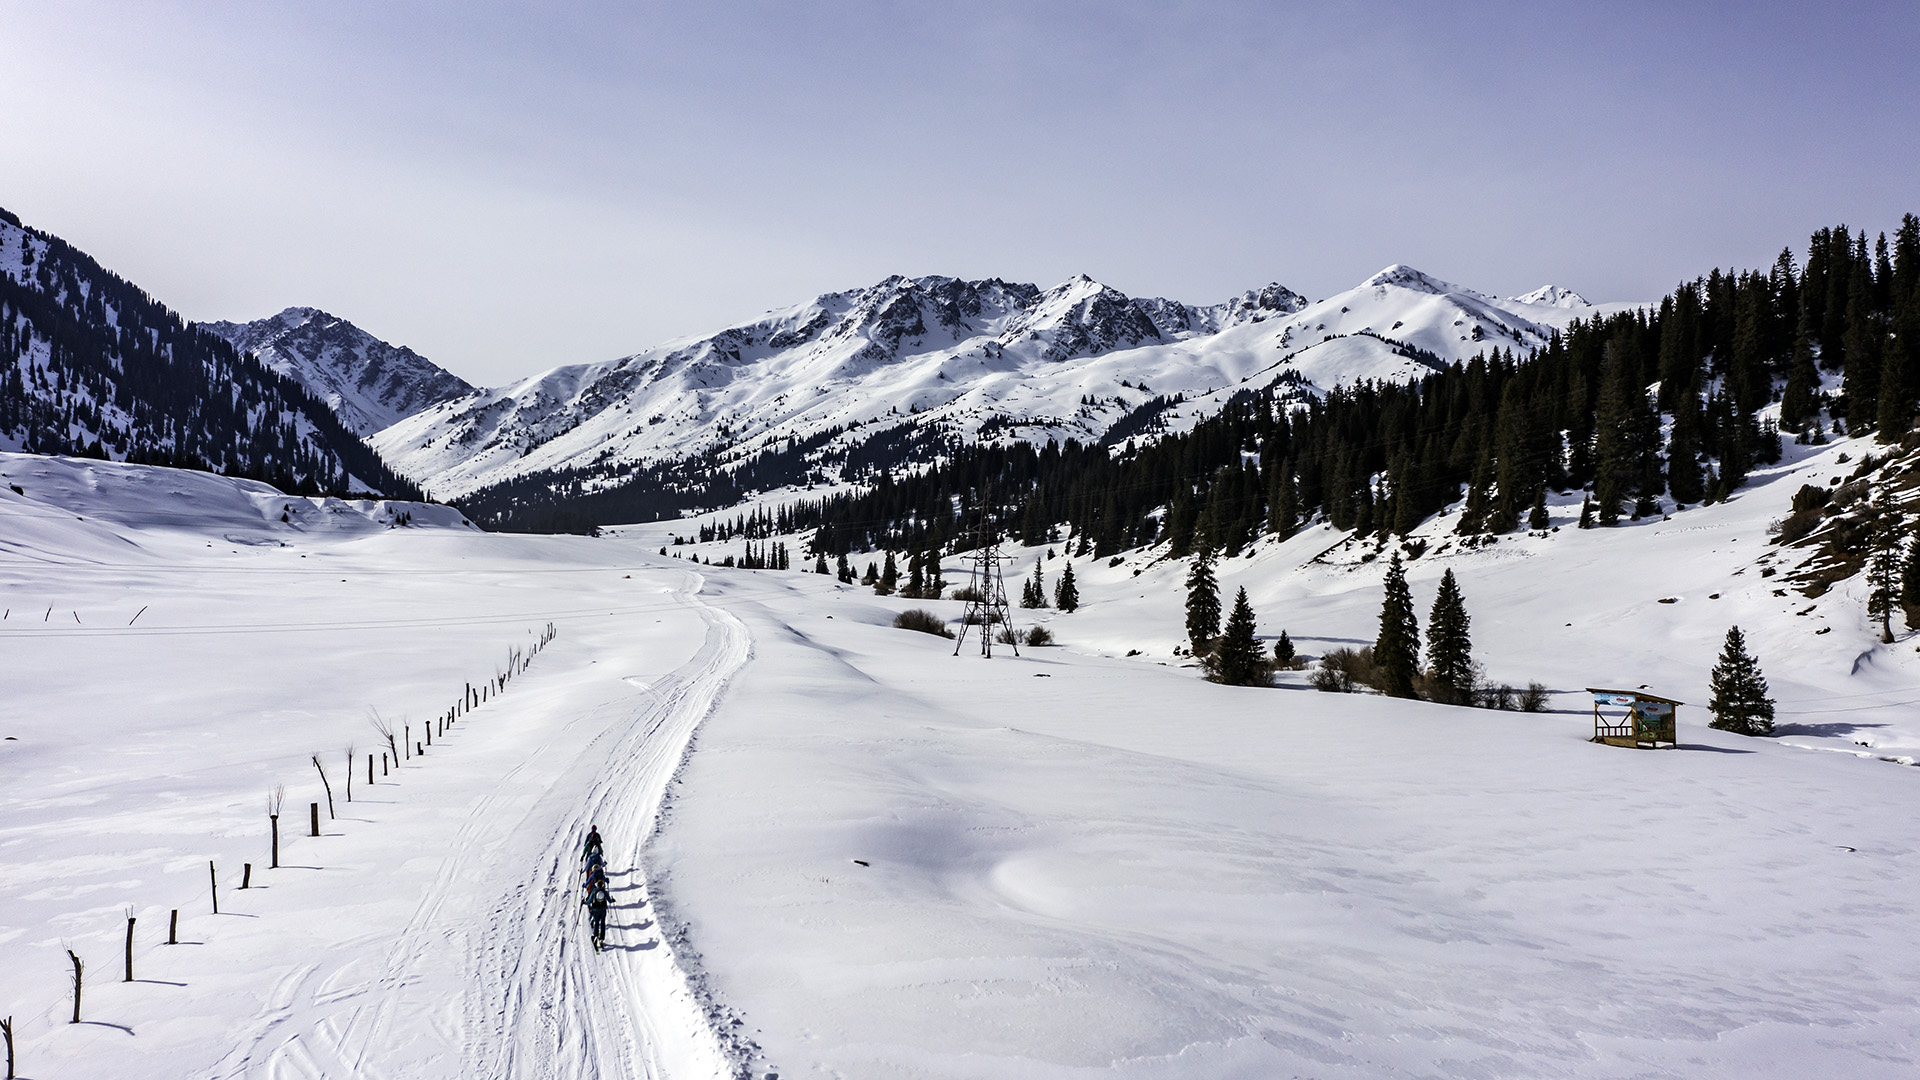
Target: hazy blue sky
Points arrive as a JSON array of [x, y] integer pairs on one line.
[[507, 187]]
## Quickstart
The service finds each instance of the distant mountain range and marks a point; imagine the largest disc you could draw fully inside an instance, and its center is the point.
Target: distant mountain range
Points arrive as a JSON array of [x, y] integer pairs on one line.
[[842, 385], [966, 359], [368, 383]]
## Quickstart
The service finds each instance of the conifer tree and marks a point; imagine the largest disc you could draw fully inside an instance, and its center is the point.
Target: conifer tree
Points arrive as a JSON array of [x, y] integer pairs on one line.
[[1883, 565], [1740, 703], [820, 562], [1449, 645], [1797, 406], [1910, 583], [872, 576], [1203, 603], [889, 577], [934, 584], [1283, 650], [1237, 659], [1066, 595], [1538, 518], [1586, 512], [1397, 650], [1034, 593], [845, 570], [916, 578]]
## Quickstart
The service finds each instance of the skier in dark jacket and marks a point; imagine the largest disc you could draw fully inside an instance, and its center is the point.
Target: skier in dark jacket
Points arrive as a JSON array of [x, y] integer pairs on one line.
[[592, 846], [597, 901]]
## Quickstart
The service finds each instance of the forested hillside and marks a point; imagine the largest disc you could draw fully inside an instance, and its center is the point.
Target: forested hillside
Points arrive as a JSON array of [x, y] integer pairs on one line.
[[1651, 411], [90, 365]]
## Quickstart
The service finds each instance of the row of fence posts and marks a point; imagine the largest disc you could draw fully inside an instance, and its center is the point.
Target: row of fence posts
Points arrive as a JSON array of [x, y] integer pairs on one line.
[[472, 697]]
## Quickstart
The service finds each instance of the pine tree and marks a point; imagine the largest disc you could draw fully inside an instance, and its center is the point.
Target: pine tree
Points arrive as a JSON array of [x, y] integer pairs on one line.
[[889, 577], [1283, 651], [1066, 595], [1797, 405], [1910, 583], [1883, 565], [1538, 518], [1586, 512], [1034, 593], [820, 562], [1449, 646], [934, 584], [1237, 659], [1740, 703], [845, 570], [1203, 603], [1397, 650]]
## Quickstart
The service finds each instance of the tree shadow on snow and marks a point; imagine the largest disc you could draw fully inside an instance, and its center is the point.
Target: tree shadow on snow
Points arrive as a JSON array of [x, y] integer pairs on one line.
[[1713, 749], [1825, 731]]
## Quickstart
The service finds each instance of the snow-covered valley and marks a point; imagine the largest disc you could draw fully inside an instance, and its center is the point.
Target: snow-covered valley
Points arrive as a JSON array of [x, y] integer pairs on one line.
[[879, 859]]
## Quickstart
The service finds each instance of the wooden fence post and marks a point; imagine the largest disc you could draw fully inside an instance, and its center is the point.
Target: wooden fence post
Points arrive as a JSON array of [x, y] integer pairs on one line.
[[173, 928], [246, 875], [314, 810], [275, 818], [213, 883], [76, 986], [369, 770], [129, 977]]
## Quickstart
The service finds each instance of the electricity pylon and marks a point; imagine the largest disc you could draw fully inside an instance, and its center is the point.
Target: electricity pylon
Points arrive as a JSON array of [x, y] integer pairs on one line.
[[987, 602]]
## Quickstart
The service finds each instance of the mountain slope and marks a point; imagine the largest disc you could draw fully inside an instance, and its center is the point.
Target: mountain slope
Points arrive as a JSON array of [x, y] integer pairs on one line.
[[367, 382], [91, 365], [969, 360]]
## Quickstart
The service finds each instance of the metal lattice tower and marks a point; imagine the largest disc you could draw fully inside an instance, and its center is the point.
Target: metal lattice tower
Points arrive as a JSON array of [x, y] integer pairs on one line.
[[987, 607]]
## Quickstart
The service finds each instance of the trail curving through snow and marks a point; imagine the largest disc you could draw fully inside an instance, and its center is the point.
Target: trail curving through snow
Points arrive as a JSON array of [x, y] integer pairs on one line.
[[492, 973]]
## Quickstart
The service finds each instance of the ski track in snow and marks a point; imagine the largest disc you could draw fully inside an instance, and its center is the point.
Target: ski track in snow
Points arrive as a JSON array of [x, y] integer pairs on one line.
[[539, 1002]]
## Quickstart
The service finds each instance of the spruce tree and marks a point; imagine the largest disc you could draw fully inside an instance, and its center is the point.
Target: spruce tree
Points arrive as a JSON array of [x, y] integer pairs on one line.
[[1740, 703], [1449, 646], [1797, 405], [889, 577], [1586, 512], [1283, 651], [1237, 659], [1396, 653], [820, 562], [1203, 603], [1883, 565], [1034, 593], [1538, 518], [1066, 595], [1910, 583]]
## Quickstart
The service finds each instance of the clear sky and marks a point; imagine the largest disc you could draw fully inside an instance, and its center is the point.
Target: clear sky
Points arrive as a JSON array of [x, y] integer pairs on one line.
[[506, 187]]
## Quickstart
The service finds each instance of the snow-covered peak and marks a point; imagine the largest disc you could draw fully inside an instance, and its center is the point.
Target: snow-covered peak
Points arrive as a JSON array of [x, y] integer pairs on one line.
[[1554, 296], [1406, 277], [368, 383]]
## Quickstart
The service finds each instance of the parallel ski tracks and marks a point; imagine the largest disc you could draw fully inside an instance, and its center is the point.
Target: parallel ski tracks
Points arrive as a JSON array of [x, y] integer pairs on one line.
[[538, 1001]]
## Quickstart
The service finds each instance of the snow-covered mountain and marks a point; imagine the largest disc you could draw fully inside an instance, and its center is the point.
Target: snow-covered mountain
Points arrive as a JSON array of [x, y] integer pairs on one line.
[[974, 359], [1553, 296], [92, 365], [367, 382]]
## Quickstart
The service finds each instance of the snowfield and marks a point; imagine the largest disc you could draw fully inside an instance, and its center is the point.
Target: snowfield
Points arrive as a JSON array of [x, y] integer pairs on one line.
[[842, 851]]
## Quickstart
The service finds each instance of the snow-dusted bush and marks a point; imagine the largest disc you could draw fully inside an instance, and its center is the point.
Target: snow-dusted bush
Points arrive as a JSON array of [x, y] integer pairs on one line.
[[924, 621]]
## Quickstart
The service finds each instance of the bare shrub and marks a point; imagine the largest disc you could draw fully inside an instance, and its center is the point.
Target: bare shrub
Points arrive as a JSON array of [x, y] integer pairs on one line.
[[1345, 670], [1039, 635], [1533, 698], [922, 620]]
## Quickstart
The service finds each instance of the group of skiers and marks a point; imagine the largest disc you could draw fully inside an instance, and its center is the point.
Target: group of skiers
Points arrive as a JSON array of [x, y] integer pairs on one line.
[[593, 887]]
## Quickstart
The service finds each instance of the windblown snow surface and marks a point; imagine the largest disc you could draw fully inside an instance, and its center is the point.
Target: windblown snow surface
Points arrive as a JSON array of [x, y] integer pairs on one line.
[[877, 859]]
